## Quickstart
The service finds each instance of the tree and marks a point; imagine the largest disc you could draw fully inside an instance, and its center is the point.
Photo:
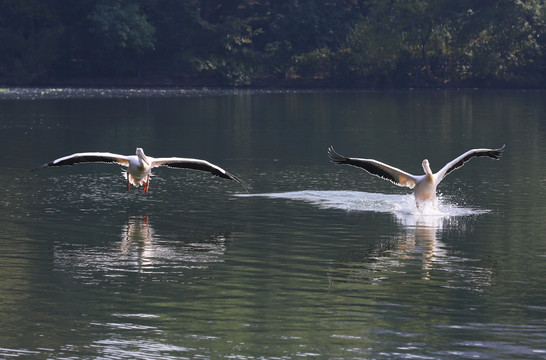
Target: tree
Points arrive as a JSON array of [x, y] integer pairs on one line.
[[394, 43], [506, 44], [120, 34], [29, 39]]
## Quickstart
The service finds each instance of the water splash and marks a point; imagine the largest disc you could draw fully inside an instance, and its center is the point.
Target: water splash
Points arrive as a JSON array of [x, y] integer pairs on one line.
[[401, 206]]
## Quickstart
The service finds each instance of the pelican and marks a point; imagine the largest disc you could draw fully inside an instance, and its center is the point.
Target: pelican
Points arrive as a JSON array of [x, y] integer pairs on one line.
[[424, 185], [139, 166]]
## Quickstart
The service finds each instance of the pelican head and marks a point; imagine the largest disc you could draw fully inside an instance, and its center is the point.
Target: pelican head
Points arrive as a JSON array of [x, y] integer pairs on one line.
[[426, 167], [142, 156]]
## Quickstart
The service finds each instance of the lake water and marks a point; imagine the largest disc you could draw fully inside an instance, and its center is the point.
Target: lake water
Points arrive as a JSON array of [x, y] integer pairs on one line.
[[316, 261]]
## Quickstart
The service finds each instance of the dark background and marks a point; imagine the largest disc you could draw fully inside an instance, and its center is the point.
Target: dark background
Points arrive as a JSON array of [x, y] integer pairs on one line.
[[260, 43]]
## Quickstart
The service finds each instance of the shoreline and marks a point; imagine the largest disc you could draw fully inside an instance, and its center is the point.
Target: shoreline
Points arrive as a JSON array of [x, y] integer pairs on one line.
[[97, 92]]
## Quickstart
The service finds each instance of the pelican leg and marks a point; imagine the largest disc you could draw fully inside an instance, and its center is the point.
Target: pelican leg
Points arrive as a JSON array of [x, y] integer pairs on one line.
[[128, 184], [147, 184]]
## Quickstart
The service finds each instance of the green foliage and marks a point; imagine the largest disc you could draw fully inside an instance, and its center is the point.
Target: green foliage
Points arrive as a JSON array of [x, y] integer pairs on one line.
[[378, 43], [375, 52], [509, 49], [119, 34], [120, 26], [29, 37], [445, 43]]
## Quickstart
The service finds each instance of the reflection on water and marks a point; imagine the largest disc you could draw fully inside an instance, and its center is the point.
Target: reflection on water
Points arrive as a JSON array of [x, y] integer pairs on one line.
[[140, 250], [423, 237], [419, 237]]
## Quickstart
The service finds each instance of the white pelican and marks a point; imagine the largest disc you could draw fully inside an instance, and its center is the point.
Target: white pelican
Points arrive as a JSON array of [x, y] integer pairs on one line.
[[139, 166], [425, 185]]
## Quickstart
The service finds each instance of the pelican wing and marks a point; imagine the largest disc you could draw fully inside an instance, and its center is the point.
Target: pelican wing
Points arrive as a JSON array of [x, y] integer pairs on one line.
[[197, 164], [374, 167], [461, 160], [87, 157]]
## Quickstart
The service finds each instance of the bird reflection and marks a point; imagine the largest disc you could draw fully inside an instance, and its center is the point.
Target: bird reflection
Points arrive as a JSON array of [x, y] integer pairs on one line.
[[422, 238], [141, 251], [137, 243], [152, 252], [425, 237], [419, 240], [136, 231]]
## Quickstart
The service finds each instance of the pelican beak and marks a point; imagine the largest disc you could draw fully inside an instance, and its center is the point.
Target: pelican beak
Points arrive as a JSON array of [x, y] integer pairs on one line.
[[140, 154], [144, 159], [426, 167]]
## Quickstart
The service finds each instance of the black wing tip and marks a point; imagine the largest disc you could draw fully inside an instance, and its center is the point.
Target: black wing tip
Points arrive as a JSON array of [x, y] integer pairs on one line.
[[42, 166], [232, 177], [245, 185], [497, 153], [335, 157]]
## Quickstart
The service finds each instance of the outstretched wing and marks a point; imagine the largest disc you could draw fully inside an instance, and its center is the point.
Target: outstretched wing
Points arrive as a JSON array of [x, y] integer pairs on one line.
[[461, 160], [374, 167], [197, 164], [87, 157]]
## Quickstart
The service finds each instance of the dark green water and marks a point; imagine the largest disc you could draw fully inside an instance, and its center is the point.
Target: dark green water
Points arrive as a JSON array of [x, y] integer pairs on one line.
[[317, 261]]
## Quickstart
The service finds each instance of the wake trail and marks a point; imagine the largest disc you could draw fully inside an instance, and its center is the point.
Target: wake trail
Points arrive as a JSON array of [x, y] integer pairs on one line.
[[401, 206]]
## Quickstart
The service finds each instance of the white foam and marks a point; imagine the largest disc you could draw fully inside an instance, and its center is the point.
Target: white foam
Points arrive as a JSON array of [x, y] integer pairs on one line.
[[402, 206]]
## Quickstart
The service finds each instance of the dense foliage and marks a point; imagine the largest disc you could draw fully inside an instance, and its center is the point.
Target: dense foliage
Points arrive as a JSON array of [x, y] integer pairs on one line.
[[369, 43]]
